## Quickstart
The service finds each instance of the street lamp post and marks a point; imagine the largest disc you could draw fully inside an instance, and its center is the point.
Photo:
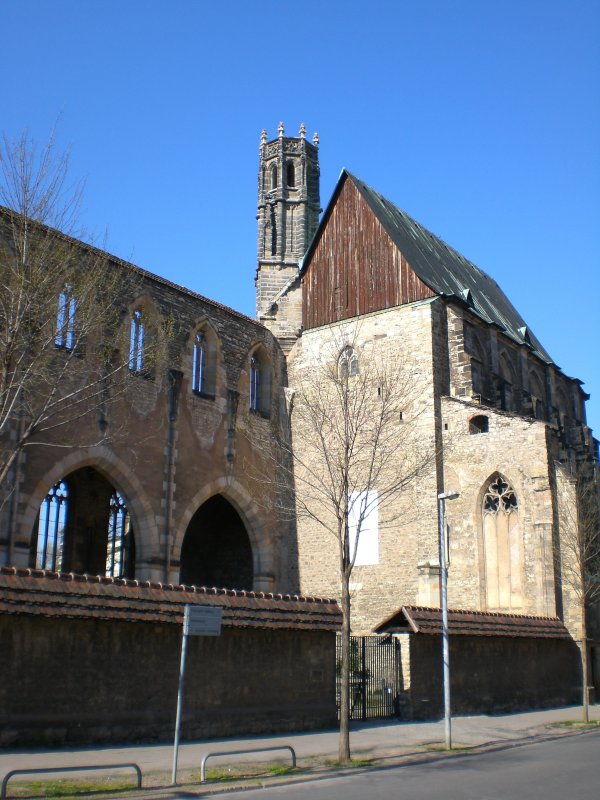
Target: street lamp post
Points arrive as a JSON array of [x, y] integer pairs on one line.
[[442, 497]]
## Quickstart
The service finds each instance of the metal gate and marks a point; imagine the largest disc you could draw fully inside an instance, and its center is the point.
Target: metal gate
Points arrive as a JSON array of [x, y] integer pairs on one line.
[[375, 676]]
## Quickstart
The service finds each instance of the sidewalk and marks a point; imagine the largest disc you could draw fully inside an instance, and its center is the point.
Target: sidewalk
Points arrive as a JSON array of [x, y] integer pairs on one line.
[[373, 740]]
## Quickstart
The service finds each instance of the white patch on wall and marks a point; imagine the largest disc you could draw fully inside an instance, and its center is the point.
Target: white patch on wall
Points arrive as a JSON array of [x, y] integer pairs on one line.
[[364, 506]]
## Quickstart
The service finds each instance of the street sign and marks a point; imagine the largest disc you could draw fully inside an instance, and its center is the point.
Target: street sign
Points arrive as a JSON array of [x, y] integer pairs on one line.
[[197, 621], [202, 620]]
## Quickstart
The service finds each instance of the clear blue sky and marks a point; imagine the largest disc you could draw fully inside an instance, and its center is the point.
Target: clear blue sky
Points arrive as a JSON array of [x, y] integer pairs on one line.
[[480, 118]]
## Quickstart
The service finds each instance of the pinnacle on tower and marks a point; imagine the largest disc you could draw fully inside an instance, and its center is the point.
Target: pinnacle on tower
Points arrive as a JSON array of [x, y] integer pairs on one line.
[[288, 215]]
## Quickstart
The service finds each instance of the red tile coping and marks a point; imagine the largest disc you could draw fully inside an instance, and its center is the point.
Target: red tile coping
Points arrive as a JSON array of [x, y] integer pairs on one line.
[[61, 594], [418, 619]]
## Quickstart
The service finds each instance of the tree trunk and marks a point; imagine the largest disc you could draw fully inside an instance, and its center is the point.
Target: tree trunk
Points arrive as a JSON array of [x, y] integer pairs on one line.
[[584, 667], [344, 744]]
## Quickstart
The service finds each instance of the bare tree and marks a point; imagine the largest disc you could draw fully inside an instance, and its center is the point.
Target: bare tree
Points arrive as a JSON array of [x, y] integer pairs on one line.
[[65, 347], [353, 449], [578, 557]]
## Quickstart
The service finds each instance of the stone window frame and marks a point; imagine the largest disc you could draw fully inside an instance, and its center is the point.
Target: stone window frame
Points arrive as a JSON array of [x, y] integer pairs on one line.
[[499, 497], [260, 387], [204, 361], [65, 318], [479, 424], [348, 363]]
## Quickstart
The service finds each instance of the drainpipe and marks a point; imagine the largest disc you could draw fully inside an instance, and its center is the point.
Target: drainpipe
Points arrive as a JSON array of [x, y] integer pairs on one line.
[[174, 377]]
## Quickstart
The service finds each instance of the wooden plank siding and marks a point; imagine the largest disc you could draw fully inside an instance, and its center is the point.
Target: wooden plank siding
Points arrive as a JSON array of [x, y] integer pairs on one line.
[[355, 268]]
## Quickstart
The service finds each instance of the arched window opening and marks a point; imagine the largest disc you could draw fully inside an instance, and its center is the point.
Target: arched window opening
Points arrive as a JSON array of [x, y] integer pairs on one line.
[[204, 363], [199, 364], [260, 384], [348, 363], [84, 526], [537, 396], [65, 319], [506, 382], [119, 549], [273, 231], [136, 341], [254, 384], [51, 528], [273, 176], [502, 546], [216, 549], [291, 175], [479, 424]]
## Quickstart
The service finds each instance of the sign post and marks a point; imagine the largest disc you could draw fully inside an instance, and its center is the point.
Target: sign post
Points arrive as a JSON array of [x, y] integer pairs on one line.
[[197, 621]]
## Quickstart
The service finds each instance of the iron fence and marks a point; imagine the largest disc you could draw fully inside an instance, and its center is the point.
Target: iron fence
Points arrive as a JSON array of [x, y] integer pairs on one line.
[[375, 676]]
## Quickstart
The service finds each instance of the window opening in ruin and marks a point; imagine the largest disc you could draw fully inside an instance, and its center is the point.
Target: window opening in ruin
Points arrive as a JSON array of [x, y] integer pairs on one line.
[[136, 342], [120, 539], [260, 384], [479, 424], [51, 528], [254, 384], [65, 319], [291, 175], [348, 363], [199, 364], [502, 546]]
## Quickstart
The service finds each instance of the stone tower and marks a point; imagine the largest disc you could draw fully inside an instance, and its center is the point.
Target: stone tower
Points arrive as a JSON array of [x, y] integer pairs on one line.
[[288, 215]]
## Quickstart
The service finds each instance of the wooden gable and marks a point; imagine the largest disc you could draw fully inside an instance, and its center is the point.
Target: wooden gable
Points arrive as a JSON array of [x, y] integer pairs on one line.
[[354, 267]]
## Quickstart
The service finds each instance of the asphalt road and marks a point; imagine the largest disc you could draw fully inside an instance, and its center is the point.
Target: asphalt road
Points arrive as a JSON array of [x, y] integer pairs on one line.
[[564, 769]]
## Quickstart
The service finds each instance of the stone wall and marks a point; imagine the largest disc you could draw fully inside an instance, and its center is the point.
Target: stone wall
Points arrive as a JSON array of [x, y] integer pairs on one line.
[[399, 341], [168, 449], [493, 674], [72, 681]]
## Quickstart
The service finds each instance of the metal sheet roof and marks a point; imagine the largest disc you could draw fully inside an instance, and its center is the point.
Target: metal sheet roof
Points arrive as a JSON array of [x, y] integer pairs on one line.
[[439, 266]]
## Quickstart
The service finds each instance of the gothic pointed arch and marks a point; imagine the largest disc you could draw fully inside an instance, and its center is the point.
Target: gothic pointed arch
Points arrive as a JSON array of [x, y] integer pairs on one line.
[[84, 526], [506, 384], [140, 337], [252, 517], [216, 548], [260, 381], [501, 532], [204, 349], [538, 394], [119, 477]]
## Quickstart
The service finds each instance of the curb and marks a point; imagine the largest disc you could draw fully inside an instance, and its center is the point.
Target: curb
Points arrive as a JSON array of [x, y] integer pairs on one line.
[[392, 760]]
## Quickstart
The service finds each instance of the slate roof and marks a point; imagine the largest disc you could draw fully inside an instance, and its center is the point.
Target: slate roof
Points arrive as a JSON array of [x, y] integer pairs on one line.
[[444, 270], [421, 620], [67, 595]]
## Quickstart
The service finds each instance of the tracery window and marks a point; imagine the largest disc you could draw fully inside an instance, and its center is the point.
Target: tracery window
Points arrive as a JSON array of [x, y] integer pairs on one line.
[[274, 176], [51, 528], [348, 363], [136, 341], [502, 546], [119, 544], [65, 319]]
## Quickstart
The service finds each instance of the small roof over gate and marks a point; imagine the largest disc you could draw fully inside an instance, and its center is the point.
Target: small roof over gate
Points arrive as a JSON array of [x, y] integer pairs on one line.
[[418, 619]]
